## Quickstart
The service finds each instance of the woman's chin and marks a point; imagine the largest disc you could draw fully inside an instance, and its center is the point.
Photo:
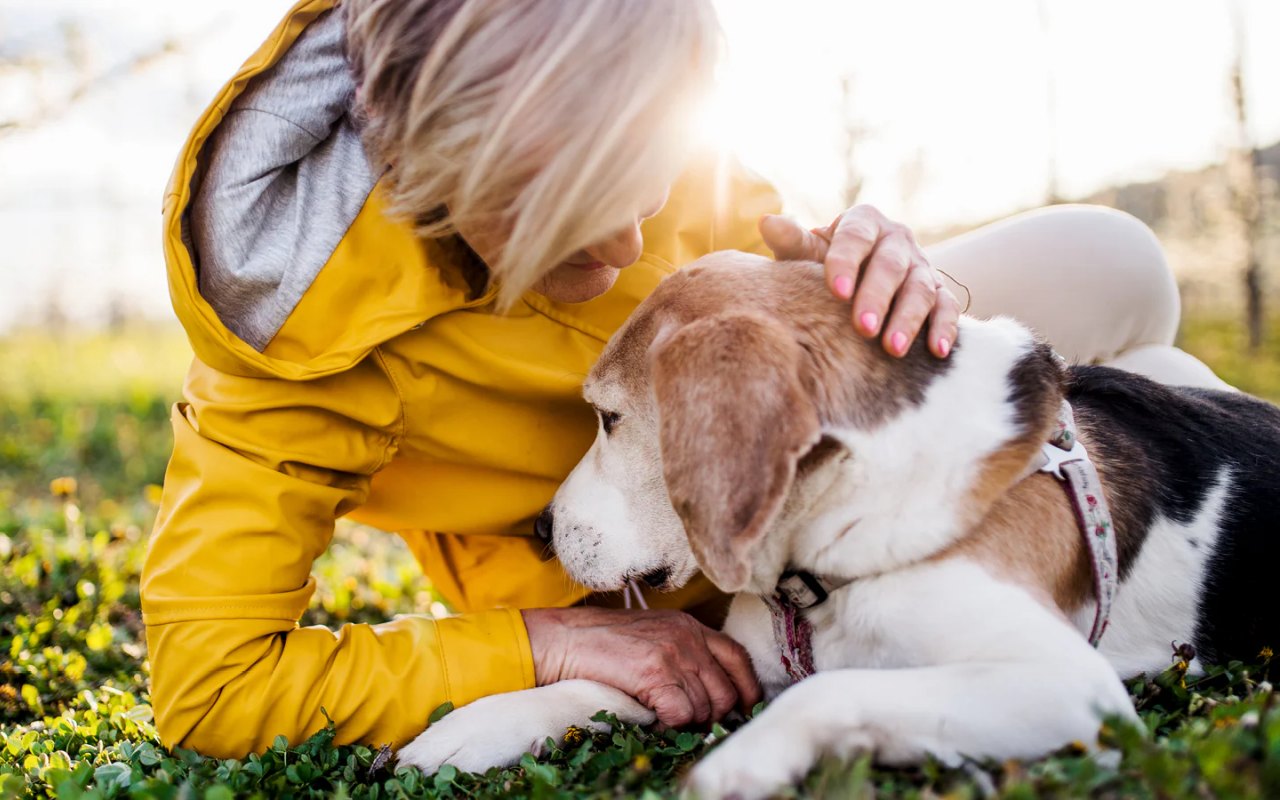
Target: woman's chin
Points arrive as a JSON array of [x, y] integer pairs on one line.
[[570, 284]]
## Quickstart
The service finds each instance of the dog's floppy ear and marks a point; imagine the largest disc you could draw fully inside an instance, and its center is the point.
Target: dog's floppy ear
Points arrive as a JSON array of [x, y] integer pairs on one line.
[[734, 419]]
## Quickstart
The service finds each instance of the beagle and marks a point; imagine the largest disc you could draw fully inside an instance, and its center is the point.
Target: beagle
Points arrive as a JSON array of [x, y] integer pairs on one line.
[[888, 520]]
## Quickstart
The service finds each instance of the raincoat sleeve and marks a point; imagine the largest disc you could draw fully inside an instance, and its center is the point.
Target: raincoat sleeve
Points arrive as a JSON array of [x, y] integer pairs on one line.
[[261, 469]]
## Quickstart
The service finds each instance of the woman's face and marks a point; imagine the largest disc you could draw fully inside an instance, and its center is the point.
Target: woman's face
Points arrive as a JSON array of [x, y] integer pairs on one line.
[[588, 273]]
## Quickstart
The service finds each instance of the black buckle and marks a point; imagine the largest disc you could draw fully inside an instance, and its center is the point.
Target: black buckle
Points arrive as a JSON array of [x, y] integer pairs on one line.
[[801, 589]]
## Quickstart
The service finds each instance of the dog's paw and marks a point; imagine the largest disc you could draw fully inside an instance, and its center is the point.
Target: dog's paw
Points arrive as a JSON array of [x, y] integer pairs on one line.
[[764, 757], [496, 731]]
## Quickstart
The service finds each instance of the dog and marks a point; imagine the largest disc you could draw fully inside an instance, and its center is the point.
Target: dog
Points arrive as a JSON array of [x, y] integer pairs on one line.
[[748, 432]]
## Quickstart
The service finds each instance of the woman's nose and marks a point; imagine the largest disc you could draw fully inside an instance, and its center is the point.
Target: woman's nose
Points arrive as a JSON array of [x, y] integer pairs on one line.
[[620, 250]]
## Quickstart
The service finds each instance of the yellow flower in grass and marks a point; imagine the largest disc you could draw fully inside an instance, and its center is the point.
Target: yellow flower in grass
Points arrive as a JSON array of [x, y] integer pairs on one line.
[[642, 763], [574, 736], [1180, 667], [63, 487], [10, 701], [1265, 655]]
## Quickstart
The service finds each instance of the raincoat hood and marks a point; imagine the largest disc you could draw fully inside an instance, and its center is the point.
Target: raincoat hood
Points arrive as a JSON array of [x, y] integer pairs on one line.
[[381, 279], [282, 261]]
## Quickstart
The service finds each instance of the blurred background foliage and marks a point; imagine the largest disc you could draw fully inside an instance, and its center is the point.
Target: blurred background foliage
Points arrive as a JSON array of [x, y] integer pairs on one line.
[[95, 405], [90, 404]]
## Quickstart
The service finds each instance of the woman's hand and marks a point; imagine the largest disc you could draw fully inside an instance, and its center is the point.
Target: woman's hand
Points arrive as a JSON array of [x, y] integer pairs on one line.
[[670, 662], [896, 288]]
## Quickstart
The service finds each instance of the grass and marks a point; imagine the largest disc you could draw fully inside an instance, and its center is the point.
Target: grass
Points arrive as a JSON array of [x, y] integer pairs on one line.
[[83, 443], [1221, 342]]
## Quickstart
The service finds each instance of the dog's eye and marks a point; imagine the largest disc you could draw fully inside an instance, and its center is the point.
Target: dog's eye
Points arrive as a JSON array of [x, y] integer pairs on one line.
[[608, 419]]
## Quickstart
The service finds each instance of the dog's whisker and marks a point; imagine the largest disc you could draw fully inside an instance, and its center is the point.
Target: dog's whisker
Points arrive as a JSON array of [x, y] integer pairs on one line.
[[635, 589]]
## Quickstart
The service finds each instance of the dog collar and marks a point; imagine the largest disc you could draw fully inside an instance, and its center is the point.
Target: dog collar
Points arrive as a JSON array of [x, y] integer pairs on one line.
[[797, 591], [806, 590], [1064, 457]]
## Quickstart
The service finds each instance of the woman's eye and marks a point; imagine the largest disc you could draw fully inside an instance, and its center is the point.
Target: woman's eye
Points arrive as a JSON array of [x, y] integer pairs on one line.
[[608, 419]]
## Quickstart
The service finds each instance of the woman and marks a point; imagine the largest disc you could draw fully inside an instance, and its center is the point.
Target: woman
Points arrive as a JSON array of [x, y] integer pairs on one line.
[[397, 240]]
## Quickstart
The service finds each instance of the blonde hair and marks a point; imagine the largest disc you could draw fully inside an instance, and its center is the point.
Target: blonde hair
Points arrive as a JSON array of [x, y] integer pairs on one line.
[[553, 122]]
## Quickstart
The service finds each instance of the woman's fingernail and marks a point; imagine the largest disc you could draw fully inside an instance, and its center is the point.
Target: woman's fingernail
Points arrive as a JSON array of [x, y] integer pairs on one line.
[[898, 341], [844, 287], [870, 322], [944, 347]]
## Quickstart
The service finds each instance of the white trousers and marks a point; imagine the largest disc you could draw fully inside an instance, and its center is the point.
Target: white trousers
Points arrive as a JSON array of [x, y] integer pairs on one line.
[[1091, 280]]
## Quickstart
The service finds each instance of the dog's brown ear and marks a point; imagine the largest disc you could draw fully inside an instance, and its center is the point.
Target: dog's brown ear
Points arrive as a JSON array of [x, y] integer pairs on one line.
[[734, 419]]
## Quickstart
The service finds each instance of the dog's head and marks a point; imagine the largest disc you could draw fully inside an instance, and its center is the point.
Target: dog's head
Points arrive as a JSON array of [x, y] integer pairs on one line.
[[716, 425]]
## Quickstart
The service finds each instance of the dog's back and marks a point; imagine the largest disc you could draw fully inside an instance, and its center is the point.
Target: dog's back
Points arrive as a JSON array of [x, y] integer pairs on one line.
[[1184, 461]]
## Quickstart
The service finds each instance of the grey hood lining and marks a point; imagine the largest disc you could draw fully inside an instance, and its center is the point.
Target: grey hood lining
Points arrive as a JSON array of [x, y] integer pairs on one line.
[[280, 181]]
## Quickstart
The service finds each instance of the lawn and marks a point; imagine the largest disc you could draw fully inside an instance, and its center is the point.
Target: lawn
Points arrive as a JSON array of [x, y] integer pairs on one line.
[[83, 443]]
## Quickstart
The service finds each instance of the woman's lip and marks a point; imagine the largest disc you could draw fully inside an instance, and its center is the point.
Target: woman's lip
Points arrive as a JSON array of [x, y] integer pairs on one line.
[[589, 266]]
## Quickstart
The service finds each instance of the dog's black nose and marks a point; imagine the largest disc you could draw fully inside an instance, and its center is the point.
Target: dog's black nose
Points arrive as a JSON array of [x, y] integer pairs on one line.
[[544, 525], [656, 578]]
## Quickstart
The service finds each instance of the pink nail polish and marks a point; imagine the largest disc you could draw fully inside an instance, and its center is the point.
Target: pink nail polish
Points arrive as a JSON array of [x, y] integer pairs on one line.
[[899, 342], [844, 287], [870, 322], [944, 347]]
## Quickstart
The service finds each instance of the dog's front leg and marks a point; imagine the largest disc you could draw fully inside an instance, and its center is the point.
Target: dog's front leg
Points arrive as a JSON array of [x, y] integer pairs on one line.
[[980, 710], [496, 731]]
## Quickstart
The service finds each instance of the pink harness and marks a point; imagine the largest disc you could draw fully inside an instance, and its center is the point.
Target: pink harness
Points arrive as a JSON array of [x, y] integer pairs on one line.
[[1063, 457]]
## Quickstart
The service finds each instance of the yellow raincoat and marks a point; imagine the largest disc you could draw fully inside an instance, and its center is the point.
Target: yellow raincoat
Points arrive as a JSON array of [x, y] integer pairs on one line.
[[392, 396]]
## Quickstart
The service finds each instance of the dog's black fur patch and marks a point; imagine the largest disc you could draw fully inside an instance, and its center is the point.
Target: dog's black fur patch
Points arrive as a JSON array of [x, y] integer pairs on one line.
[[1163, 448], [1035, 383]]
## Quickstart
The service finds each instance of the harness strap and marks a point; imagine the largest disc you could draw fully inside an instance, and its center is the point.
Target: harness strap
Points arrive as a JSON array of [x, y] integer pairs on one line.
[[1065, 458]]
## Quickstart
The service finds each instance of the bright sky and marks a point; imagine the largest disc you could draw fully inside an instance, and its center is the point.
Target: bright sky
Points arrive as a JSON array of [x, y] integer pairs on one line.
[[950, 96], [957, 91]]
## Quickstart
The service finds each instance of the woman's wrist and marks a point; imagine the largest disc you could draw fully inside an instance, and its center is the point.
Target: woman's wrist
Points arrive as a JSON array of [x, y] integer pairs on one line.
[[546, 630]]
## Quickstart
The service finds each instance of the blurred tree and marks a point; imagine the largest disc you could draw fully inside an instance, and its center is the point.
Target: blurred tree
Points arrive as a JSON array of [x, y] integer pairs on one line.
[[913, 173], [853, 134], [76, 62], [1245, 177]]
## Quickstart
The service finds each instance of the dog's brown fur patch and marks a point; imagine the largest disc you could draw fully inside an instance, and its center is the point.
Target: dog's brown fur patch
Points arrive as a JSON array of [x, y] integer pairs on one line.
[[1030, 536]]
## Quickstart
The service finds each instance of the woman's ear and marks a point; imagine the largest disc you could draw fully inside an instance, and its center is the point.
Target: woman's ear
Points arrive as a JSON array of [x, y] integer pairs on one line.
[[734, 420]]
